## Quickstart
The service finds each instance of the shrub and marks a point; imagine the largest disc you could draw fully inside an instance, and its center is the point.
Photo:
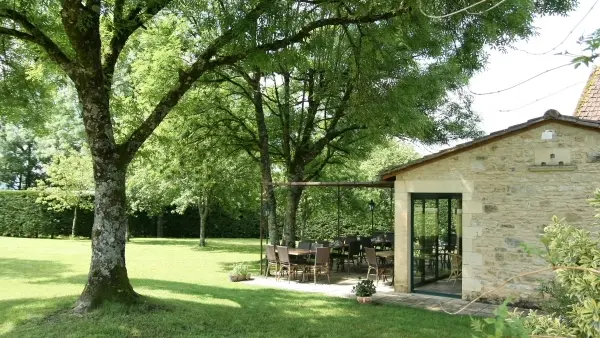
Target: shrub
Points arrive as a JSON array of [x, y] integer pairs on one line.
[[574, 292], [239, 269], [364, 288]]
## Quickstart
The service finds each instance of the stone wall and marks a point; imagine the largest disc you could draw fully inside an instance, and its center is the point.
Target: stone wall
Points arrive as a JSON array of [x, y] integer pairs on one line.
[[508, 200]]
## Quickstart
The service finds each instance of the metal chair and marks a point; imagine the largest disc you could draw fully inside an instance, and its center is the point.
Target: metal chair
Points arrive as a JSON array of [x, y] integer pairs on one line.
[[306, 245], [389, 239], [380, 269], [321, 265], [350, 239], [271, 260], [351, 256], [365, 242]]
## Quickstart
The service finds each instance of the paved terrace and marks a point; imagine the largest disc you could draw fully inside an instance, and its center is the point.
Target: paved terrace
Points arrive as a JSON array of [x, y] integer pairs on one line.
[[341, 286]]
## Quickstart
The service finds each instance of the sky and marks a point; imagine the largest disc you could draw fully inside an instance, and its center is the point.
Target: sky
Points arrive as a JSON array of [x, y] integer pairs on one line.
[[506, 69]]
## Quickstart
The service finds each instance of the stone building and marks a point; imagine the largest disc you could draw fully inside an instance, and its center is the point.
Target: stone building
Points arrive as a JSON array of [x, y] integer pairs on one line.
[[481, 200]]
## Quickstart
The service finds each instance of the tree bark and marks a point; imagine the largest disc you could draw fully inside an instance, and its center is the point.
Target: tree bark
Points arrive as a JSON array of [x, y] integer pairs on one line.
[[160, 222], [74, 222], [203, 212], [107, 279], [265, 158], [289, 233]]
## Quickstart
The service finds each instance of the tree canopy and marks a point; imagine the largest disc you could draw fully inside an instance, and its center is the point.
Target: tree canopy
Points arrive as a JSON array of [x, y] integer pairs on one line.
[[134, 62]]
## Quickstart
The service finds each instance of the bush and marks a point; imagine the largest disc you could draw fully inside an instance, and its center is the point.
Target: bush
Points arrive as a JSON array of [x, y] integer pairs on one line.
[[21, 216], [574, 293], [364, 288]]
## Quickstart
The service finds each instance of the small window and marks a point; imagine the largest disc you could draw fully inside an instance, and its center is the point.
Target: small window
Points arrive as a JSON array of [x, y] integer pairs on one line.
[[543, 163], [561, 163], [552, 156]]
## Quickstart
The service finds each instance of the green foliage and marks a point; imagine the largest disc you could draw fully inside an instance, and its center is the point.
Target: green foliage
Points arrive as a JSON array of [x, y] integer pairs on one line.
[[364, 288], [23, 217], [503, 324], [575, 256], [20, 158], [239, 269], [555, 297], [590, 47], [69, 183]]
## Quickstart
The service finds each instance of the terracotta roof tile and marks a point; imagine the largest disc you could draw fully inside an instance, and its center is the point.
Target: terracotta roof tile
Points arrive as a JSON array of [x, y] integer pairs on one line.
[[588, 106]]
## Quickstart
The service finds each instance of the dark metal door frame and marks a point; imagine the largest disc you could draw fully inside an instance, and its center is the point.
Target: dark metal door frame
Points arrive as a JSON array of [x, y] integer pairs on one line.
[[423, 197]]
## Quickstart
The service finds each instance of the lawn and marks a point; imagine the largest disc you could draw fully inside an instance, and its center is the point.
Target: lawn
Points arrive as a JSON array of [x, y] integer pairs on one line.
[[186, 293]]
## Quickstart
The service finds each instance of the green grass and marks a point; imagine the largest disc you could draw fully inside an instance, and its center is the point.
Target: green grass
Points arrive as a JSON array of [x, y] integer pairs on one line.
[[186, 293]]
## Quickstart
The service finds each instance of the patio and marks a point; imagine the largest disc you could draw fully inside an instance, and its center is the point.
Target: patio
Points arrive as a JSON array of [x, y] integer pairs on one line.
[[341, 286]]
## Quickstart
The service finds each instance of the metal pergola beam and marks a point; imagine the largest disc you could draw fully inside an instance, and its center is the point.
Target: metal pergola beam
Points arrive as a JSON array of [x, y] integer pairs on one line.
[[382, 184]]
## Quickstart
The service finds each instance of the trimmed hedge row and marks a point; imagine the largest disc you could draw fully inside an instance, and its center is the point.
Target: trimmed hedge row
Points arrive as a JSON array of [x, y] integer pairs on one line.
[[21, 216]]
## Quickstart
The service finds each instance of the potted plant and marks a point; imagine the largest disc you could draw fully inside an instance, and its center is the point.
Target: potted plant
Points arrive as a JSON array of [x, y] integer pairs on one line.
[[364, 290], [239, 272]]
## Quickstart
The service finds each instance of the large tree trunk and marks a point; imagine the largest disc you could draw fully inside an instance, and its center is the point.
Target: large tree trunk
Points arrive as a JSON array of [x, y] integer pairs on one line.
[[160, 223], [265, 160], [291, 219], [74, 222], [107, 279], [203, 212]]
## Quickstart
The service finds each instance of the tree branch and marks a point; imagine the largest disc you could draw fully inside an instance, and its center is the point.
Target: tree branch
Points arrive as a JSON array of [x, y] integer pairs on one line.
[[123, 28], [207, 62], [305, 32], [36, 36]]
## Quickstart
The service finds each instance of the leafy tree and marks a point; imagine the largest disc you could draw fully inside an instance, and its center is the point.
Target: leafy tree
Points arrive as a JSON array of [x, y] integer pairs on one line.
[[312, 103], [20, 158], [591, 46], [93, 43], [180, 168], [69, 184], [87, 39]]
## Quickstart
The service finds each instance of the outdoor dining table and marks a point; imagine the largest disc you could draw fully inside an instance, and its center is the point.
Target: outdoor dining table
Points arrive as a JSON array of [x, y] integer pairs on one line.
[[300, 252], [387, 254]]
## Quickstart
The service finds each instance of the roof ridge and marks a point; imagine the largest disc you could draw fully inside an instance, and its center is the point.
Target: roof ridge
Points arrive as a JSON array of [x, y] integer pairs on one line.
[[549, 115]]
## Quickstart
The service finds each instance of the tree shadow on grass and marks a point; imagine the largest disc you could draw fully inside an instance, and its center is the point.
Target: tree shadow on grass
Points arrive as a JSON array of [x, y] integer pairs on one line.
[[31, 269], [210, 311], [212, 245]]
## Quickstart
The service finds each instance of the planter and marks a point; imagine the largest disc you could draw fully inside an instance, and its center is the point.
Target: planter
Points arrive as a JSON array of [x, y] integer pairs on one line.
[[237, 278], [364, 300]]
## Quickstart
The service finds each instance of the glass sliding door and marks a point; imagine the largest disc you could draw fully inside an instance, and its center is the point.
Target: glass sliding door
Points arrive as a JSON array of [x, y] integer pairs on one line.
[[436, 236]]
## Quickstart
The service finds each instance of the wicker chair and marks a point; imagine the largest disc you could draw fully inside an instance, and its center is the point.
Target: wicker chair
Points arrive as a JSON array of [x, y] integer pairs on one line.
[[380, 269], [455, 267], [286, 264], [321, 265], [271, 260]]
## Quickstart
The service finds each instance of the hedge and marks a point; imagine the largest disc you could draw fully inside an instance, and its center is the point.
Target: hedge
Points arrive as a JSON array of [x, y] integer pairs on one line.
[[21, 216]]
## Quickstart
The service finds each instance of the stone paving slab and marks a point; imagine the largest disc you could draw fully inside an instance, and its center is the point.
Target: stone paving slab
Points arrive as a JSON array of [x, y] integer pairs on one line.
[[385, 295]]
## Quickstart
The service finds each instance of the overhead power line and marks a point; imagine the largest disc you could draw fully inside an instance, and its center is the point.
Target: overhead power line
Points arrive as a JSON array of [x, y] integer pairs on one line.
[[520, 83], [541, 98], [566, 37], [465, 9]]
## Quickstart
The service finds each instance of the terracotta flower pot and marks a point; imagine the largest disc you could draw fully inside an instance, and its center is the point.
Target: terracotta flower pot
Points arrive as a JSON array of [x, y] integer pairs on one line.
[[236, 278], [364, 300]]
